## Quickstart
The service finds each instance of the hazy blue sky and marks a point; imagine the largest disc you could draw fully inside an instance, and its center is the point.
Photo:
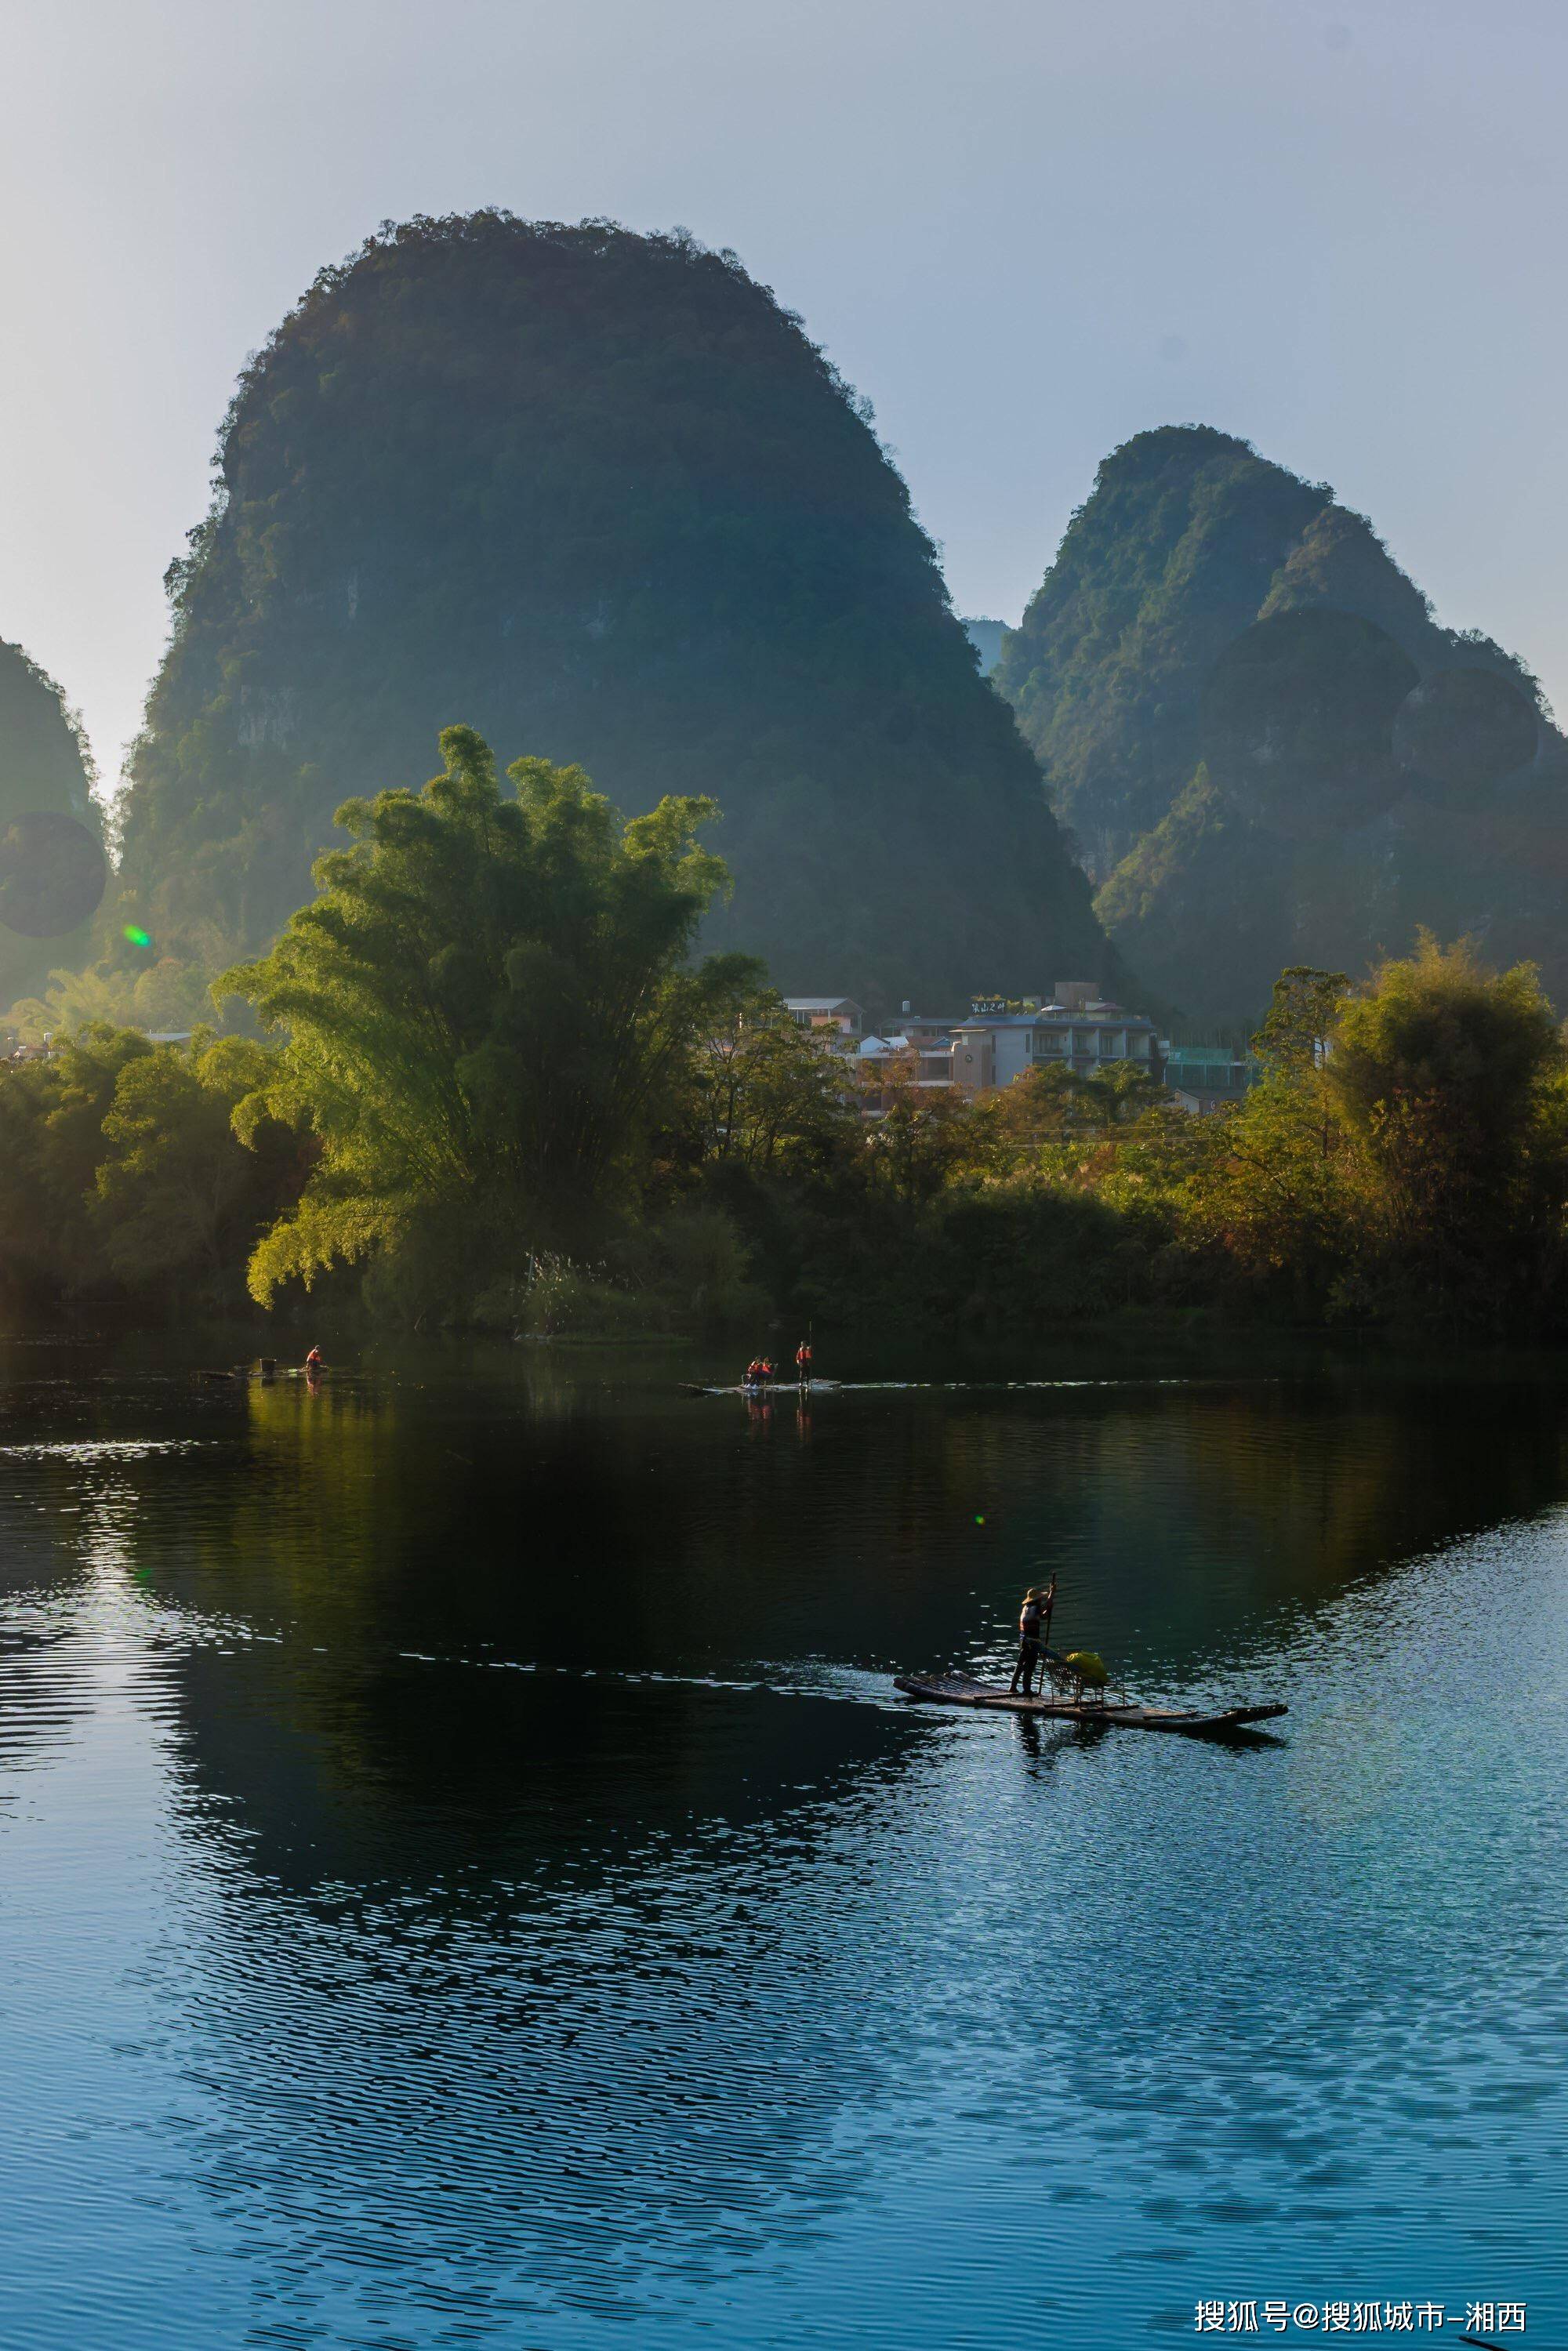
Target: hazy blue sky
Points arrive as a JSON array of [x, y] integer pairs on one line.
[[1025, 230]]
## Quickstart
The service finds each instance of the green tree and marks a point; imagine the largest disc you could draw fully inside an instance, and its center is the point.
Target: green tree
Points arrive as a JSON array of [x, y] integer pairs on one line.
[[922, 1136], [51, 1138], [161, 994], [1276, 1189], [174, 1191], [1301, 1016], [119, 1167], [1053, 1103], [487, 1014], [1452, 1081], [766, 1093], [1407, 1153]]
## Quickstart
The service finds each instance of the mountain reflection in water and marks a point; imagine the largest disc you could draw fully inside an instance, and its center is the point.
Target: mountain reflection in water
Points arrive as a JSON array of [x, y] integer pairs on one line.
[[467, 1879]]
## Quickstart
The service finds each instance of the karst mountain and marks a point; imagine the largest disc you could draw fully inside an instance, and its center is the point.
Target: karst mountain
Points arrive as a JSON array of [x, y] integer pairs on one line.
[[1265, 746], [598, 496]]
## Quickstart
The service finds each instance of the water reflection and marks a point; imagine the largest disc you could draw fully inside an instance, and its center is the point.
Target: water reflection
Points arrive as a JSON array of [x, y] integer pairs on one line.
[[681, 1541], [539, 1917]]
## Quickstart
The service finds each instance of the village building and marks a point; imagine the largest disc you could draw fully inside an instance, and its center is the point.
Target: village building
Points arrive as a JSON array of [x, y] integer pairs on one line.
[[1208, 1078], [840, 1012], [998, 1039], [1002, 1038], [916, 1053]]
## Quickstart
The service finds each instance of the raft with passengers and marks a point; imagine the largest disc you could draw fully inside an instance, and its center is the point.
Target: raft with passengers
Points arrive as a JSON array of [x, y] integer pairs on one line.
[[762, 1377], [761, 1374], [1074, 1687]]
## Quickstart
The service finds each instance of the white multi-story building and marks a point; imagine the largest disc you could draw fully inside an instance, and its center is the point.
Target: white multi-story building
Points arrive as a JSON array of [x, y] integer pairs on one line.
[[1076, 1030], [996, 1042]]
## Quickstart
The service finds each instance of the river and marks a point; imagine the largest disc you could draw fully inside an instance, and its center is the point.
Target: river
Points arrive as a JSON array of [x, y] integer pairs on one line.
[[467, 1879]]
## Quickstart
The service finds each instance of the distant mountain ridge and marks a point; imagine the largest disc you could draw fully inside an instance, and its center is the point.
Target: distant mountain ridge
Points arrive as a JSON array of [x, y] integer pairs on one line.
[[1189, 542], [986, 636], [597, 495], [44, 760]]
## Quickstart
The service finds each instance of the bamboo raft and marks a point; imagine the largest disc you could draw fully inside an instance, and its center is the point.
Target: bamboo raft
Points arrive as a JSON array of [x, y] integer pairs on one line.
[[776, 1387], [961, 1690]]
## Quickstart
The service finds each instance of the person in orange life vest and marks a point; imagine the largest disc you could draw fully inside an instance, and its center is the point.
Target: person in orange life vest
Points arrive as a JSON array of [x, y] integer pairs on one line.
[[313, 1360], [803, 1361]]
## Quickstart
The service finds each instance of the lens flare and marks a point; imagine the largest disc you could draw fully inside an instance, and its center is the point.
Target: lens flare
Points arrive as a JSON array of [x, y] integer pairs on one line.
[[139, 939], [52, 873]]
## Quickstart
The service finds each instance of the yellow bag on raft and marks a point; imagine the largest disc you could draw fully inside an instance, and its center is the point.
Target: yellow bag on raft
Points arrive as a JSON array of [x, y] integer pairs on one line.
[[1089, 1667]]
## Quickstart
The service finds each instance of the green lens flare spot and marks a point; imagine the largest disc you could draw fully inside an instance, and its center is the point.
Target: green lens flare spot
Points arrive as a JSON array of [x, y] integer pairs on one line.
[[139, 939], [979, 1517]]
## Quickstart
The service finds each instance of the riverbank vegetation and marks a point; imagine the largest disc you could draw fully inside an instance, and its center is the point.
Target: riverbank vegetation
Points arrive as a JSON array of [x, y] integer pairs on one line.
[[494, 1091]]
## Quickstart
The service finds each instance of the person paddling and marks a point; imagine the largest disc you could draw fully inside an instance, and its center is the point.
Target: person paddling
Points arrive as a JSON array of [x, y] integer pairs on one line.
[[313, 1361], [803, 1362], [1031, 1619]]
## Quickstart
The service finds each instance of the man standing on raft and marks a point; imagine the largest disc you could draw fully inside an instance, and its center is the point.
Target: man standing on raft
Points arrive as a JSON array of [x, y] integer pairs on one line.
[[803, 1362], [1034, 1629]]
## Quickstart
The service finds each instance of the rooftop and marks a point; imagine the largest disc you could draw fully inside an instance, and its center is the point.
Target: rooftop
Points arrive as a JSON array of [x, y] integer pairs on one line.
[[1095, 1014]]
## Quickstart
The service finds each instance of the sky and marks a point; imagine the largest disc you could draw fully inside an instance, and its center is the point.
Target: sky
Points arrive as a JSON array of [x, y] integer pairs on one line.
[[1024, 228]]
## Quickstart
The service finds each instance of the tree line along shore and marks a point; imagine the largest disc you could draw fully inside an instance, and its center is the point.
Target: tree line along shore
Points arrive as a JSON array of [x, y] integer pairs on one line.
[[488, 1087]]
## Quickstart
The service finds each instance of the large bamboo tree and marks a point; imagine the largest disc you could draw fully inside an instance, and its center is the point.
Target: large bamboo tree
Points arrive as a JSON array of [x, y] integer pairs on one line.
[[484, 1008]]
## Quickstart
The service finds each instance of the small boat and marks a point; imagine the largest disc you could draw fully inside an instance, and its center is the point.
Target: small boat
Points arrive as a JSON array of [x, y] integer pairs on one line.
[[961, 1690]]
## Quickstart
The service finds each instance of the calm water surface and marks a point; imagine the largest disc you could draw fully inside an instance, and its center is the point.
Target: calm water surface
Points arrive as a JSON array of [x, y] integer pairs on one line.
[[466, 1879]]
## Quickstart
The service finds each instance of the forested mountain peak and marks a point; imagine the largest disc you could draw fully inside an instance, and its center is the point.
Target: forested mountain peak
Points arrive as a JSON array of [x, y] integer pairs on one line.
[[1175, 549], [1268, 749], [597, 495]]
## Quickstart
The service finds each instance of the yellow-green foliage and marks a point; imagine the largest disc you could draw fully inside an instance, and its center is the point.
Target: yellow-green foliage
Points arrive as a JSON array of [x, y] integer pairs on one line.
[[1407, 1151], [1451, 1084], [119, 1169], [487, 1014], [504, 1090], [162, 994]]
